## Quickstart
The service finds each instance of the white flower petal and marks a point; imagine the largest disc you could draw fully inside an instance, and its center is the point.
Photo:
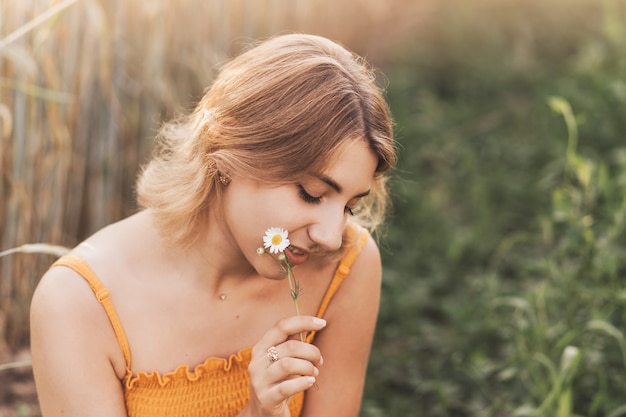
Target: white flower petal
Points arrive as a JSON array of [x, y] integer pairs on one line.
[[276, 239]]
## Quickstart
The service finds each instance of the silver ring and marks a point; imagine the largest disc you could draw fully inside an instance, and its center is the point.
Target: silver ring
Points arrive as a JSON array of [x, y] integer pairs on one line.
[[272, 354]]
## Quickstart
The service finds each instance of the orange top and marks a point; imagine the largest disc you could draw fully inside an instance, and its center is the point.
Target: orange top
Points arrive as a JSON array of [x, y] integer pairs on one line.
[[219, 387]]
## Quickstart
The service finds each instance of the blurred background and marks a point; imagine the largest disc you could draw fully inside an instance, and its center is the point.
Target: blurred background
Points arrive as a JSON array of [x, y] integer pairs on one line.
[[505, 258]]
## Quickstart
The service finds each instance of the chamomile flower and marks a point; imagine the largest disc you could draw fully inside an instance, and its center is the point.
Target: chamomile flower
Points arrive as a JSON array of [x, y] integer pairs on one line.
[[275, 239]]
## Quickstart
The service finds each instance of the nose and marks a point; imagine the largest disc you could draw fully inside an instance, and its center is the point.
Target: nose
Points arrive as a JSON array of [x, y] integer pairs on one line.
[[327, 232]]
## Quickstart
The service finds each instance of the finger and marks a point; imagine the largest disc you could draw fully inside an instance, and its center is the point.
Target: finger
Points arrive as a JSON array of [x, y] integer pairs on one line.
[[267, 380], [285, 389], [285, 353], [287, 327], [297, 349], [289, 367]]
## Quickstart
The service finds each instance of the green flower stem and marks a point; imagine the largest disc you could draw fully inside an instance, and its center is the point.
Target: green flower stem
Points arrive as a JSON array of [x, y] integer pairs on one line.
[[294, 288], [294, 285]]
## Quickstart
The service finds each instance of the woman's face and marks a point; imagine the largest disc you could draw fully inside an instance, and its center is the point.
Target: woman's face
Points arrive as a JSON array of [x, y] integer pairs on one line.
[[314, 211]]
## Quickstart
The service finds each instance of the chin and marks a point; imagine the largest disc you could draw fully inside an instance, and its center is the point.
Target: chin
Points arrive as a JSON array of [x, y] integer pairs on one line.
[[274, 275]]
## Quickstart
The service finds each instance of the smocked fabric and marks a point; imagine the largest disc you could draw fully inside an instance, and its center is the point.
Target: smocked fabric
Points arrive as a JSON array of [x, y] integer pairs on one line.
[[219, 387]]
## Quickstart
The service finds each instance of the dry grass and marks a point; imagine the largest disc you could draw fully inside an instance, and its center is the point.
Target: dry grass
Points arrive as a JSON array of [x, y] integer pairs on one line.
[[84, 85]]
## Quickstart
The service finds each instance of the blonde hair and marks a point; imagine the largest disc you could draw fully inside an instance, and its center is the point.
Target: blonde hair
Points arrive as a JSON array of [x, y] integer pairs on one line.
[[274, 113]]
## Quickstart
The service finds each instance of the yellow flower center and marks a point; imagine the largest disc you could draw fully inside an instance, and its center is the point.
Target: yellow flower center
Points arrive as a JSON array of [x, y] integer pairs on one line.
[[276, 239]]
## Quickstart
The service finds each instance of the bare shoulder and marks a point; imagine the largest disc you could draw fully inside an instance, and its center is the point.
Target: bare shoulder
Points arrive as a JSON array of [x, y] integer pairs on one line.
[[368, 262], [346, 341], [64, 304], [63, 292], [358, 296], [76, 362], [364, 279]]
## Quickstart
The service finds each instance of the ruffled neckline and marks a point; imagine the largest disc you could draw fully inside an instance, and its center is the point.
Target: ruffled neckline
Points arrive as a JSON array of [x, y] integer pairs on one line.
[[212, 364]]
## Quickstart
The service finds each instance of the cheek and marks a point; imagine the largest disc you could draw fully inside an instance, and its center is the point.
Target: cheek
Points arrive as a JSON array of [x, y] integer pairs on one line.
[[245, 214], [250, 211]]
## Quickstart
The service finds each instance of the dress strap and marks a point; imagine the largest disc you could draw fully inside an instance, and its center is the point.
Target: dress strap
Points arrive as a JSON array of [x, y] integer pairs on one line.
[[343, 269], [102, 295]]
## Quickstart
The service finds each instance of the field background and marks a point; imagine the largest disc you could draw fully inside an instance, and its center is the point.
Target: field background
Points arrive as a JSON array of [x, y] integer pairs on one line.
[[505, 260]]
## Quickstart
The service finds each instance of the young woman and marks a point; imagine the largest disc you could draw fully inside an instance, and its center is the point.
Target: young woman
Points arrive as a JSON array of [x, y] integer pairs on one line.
[[174, 312]]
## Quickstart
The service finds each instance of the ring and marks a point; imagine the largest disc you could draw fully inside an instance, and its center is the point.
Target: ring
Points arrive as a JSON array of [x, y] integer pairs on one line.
[[272, 354]]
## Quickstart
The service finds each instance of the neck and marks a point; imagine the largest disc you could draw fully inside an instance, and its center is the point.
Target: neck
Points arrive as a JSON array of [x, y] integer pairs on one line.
[[214, 263]]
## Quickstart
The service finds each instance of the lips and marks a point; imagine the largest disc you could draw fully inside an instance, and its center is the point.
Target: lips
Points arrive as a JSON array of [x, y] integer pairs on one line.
[[296, 256]]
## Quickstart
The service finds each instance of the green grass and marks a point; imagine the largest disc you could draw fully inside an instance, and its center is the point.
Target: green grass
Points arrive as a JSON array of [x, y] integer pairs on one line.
[[505, 262]]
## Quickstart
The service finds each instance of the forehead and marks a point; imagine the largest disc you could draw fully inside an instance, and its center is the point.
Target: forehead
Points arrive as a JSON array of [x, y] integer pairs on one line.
[[353, 160]]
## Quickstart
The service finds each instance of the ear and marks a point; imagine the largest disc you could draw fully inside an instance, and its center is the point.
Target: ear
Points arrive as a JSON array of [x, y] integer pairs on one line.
[[223, 179]]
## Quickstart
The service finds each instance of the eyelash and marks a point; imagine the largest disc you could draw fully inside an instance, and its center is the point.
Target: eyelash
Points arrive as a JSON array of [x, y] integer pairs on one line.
[[308, 198]]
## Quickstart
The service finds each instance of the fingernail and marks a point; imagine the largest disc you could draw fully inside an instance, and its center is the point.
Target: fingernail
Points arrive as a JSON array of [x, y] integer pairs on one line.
[[321, 360], [310, 380], [316, 371], [319, 322]]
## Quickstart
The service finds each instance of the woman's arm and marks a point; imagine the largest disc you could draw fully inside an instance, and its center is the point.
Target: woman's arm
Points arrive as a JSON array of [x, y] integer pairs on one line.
[[77, 362], [346, 341]]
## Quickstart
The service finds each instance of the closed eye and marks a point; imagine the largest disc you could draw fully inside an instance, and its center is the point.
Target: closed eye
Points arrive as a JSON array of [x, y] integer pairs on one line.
[[308, 198]]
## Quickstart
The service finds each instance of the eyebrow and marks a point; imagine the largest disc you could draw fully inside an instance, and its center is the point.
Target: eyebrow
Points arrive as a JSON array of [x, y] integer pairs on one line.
[[333, 184]]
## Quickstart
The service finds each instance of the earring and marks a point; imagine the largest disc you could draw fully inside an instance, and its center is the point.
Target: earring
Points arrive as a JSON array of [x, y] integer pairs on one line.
[[224, 180]]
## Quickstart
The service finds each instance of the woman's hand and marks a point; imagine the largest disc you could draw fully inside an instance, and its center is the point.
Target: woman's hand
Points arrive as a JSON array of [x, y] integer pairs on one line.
[[282, 365]]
